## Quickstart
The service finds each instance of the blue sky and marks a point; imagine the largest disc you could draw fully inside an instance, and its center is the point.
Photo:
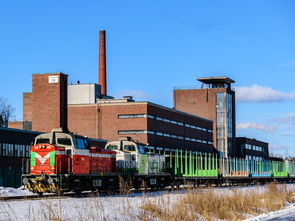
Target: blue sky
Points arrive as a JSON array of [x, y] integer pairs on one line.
[[153, 46]]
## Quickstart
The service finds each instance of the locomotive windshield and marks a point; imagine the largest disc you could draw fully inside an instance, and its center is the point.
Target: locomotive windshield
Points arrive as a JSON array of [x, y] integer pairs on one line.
[[129, 147], [64, 141], [42, 140], [112, 147]]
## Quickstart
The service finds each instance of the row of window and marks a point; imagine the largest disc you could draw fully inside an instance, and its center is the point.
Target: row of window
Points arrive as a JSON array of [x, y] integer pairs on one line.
[[124, 116], [253, 147], [180, 151], [14, 150], [248, 157], [123, 132]]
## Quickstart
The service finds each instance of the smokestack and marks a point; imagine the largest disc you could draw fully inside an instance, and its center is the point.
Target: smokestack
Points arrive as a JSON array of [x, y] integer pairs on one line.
[[102, 78]]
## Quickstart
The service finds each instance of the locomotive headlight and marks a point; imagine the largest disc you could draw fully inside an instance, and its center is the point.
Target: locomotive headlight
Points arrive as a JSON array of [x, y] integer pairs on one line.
[[25, 181], [50, 180]]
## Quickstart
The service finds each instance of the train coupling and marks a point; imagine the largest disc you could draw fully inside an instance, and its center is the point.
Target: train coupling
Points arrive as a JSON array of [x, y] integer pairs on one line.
[[39, 185]]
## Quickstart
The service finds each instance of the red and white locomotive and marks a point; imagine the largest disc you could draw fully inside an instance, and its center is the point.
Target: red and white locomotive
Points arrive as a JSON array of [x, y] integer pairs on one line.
[[62, 162]]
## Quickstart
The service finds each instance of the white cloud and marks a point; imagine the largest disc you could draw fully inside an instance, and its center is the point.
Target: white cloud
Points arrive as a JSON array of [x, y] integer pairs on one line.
[[137, 95], [252, 125], [288, 118], [256, 93]]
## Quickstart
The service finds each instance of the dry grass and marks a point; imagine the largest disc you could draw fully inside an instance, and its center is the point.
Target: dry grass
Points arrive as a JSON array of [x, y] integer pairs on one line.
[[211, 204], [125, 186]]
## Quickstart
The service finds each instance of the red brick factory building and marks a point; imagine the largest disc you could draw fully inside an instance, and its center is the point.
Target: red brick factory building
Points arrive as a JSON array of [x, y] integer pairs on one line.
[[86, 109]]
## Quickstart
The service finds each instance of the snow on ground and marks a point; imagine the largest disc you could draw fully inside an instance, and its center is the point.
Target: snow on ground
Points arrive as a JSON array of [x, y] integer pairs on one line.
[[7, 191], [107, 208], [286, 214], [95, 208]]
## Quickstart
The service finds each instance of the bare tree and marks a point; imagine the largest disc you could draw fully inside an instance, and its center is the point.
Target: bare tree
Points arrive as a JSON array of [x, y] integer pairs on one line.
[[5, 112]]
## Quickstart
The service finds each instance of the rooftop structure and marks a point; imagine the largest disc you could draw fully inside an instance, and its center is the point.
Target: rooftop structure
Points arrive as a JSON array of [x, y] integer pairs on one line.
[[217, 82]]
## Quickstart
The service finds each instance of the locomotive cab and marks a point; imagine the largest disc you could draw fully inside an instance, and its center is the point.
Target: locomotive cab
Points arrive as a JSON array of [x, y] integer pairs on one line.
[[62, 149], [132, 157], [127, 153]]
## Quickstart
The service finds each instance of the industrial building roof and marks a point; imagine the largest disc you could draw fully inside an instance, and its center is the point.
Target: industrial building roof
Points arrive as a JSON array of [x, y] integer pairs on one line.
[[216, 80]]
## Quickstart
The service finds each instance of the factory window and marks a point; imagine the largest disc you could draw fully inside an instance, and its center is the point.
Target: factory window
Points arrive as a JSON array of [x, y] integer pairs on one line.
[[9, 150], [28, 150], [6, 149], [173, 122], [220, 131], [131, 115], [159, 118], [196, 127], [122, 116], [150, 132], [159, 133], [248, 147], [3, 149], [132, 131], [17, 150], [22, 151]]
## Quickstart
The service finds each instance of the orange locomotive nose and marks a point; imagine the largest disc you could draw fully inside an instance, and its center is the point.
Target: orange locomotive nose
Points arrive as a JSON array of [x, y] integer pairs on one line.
[[43, 159]]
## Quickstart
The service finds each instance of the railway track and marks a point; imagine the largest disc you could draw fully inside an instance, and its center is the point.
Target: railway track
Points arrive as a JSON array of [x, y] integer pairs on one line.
[[130, 193], [40, 197]]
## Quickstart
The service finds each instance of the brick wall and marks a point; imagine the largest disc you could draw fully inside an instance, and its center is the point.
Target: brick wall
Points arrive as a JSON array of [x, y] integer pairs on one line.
[[202, 102], [83, 120], [49, 101], [16, 124], [110, 124], [101, 121], [27, 106], [199, 102]]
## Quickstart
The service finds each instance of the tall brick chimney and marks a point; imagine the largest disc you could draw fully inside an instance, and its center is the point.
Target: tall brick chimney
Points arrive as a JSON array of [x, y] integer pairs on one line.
[[102, 78]]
